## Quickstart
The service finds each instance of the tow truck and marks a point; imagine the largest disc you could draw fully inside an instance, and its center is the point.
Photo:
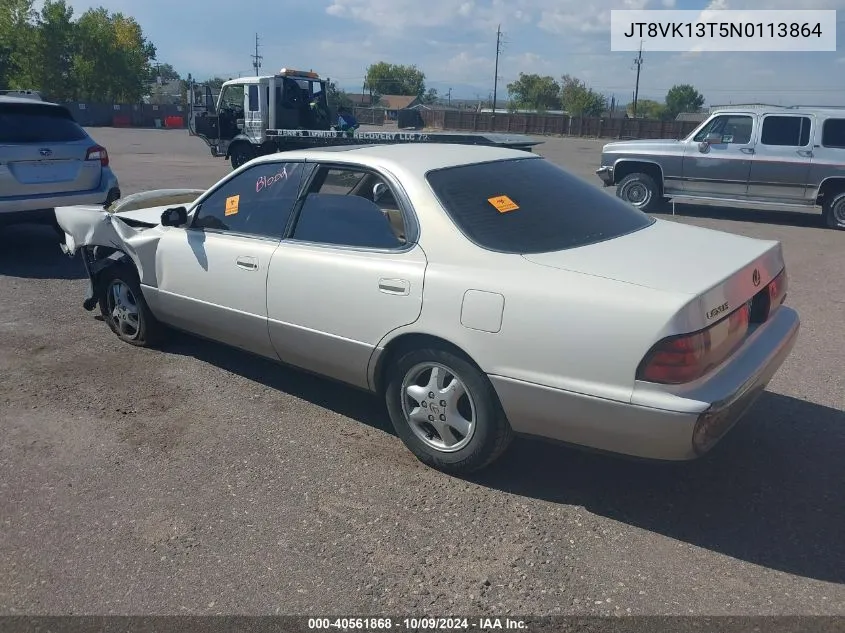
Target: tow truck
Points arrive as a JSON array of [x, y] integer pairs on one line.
[[254, 116]]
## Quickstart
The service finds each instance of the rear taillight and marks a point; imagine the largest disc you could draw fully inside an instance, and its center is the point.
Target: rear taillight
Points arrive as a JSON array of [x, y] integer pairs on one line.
[[98, 153], [777, 290], [680, 359]]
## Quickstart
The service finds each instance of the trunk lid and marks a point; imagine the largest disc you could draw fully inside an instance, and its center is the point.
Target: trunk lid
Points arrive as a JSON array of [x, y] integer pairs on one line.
[[719, 271]]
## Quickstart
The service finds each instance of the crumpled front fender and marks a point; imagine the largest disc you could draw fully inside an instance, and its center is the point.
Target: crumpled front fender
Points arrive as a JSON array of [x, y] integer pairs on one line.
[[93, 226]]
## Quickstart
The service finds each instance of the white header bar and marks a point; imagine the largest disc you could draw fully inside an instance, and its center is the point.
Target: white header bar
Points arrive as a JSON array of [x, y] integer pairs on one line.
[[723, 30]]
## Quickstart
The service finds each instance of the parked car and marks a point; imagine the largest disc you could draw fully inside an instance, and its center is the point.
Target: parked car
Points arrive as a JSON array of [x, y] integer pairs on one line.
[[48, 160], [480, 291], [767, 157]]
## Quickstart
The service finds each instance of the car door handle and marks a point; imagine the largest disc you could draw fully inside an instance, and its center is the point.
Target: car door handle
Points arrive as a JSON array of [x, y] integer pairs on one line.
[[746, 150], [247, 263], [394, 286], [806, 153]]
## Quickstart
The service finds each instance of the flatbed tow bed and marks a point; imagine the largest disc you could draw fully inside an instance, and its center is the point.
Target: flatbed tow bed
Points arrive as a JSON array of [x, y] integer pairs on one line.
[[236, 125]]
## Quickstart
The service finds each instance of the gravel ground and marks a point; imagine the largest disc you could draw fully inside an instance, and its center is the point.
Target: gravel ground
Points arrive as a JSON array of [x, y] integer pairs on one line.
[[202, 480]]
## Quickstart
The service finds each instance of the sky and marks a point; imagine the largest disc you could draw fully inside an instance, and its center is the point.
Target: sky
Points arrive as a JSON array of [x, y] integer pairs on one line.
[[454, 43]]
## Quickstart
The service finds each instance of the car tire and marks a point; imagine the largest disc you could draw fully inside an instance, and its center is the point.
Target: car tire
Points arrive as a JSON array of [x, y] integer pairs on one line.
[[121, 292], [467, 397], [641, 191], [241, 154], [834, 211]]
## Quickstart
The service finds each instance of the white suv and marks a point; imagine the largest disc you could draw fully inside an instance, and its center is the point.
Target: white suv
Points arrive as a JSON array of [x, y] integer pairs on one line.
[[48, 160]]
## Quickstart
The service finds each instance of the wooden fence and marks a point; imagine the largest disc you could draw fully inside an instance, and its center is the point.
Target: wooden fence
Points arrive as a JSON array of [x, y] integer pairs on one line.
[[370, 116], [145, 115], [555, 124]]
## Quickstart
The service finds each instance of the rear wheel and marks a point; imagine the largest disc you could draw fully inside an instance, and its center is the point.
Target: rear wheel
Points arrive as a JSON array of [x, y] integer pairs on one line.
[[641, 191], [446, 411], [124, 309], [834, 211], [241, 154]]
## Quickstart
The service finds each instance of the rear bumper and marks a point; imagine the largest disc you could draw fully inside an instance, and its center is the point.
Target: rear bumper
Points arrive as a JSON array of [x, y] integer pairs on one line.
[[606, 175], [655, 424], [23, 205]]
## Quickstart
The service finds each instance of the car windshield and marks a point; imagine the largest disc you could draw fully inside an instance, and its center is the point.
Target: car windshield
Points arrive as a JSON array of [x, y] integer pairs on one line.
[[529, 205], [37, 123]]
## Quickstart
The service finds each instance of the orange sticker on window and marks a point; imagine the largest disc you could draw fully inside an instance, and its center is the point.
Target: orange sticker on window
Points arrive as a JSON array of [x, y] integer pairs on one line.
[[232, 204], [503, 204]]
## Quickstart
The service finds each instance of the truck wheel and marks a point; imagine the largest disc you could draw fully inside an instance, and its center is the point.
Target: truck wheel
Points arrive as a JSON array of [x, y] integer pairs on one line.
[[446, 411], [241, 154], [641, 191], [834, 211]]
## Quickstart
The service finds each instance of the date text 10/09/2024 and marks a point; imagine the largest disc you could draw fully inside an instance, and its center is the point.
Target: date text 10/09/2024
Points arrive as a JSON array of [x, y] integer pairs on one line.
[[416, 624], [723, 29]]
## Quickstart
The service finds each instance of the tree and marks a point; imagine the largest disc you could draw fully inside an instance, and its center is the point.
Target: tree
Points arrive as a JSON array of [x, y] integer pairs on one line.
[[112, 61], [648, 109], [336, 97], [683, 98], [215, 83], [533, 92], [17, 45], [165, 72], [55, 48], [430, 96], [580, 100], [394, 79]]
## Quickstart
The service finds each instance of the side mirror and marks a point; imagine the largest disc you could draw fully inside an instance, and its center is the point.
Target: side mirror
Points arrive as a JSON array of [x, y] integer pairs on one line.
[[704, 147], [176, 216]]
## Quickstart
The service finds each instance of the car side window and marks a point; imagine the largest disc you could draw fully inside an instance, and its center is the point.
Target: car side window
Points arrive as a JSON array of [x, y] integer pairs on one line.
[[256, 202], [347, 207], [833, 133], [790, 131], [734, 129]]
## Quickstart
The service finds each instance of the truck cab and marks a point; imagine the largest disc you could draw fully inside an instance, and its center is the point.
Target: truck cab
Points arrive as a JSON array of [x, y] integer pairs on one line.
[[236, 124]]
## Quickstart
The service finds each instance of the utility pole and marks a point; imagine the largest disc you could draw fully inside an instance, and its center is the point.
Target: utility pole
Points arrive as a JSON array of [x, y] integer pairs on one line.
[[496, 72], [638, 61], [449, 96], [256, 58]]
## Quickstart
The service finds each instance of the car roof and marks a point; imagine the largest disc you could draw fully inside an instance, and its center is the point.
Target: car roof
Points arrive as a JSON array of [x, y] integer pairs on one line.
[[820, 111], [417, 157], [28, 101]]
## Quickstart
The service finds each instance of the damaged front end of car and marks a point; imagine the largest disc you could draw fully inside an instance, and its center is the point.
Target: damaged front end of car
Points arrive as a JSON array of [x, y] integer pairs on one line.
[[104, 239]]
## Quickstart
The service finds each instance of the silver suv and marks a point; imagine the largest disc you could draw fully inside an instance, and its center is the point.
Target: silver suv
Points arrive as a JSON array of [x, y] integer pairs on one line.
[[767, 156], [47, 160]]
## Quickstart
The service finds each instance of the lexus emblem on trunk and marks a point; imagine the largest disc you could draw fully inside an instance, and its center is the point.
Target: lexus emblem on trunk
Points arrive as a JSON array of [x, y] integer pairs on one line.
[[45, 152], [755, 277]]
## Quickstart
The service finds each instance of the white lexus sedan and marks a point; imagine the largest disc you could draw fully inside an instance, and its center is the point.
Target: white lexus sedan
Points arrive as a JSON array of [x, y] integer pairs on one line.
[[482, 292]]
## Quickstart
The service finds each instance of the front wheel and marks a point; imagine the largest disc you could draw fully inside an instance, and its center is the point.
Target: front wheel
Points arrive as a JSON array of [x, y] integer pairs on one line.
[[641, 191], [834, 211], [446, 411], [124, 309]]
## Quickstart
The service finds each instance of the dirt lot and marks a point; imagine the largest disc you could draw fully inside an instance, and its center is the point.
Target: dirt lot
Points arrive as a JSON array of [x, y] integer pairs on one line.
[[202, 480]]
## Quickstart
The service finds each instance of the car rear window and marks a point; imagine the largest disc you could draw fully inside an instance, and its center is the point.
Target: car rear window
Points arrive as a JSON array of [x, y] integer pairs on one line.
[[529, 205], [833, 133], [37, 123]]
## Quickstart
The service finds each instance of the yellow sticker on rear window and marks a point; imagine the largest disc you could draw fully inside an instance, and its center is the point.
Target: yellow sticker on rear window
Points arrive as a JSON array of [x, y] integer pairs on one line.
[[232, 204], [503, 204]]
